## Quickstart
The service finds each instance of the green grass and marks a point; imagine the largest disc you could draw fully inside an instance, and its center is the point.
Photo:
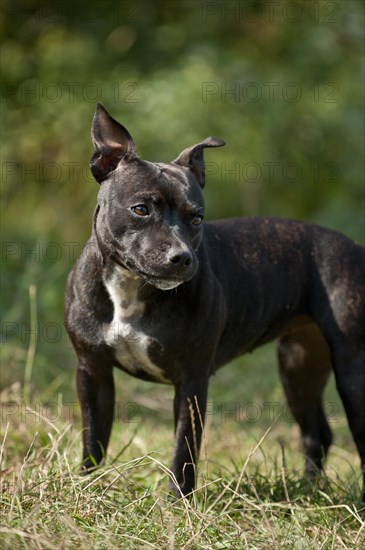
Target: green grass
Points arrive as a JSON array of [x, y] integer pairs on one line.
[[251, 493]]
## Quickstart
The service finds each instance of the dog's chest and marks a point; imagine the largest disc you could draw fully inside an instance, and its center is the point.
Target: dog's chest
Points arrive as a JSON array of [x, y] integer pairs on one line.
[[125, 334]]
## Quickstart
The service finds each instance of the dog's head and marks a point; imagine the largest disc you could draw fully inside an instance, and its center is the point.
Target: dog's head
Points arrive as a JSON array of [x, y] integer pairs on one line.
[[149, 215]]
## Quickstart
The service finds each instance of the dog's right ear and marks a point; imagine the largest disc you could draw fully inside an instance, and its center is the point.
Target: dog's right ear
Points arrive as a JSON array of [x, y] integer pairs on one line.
[[112, 142], [193, 157]]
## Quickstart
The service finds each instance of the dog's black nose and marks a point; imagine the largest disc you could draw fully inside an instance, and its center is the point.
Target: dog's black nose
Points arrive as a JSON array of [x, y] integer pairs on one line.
[[180, 257]]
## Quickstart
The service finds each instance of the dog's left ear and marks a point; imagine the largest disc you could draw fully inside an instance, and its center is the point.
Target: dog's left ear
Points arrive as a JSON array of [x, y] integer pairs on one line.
[[112, 142], [193, 158]]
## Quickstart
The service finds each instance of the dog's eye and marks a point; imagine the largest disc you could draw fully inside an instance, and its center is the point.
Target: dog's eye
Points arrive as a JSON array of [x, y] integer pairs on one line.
[[197, 220], [140, 210]]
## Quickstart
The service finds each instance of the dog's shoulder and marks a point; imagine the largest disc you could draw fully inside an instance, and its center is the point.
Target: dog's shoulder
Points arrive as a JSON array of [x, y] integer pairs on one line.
[[87, 303]]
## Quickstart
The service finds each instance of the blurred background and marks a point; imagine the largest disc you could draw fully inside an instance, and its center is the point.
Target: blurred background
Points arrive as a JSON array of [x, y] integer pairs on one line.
[[281, 82]]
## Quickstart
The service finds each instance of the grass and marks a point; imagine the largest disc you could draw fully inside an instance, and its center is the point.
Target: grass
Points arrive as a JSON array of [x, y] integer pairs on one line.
[[250, 494]]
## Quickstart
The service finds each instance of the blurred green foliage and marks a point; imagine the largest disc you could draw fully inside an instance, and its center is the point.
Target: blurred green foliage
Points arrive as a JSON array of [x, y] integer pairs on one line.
[[280, 81]]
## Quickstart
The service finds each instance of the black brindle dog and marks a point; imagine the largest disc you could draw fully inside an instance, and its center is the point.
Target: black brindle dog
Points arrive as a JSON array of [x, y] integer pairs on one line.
[[166, 297]]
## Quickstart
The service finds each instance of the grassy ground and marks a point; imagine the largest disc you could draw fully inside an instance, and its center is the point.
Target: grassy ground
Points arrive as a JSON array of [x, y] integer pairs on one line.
[[250, 494]]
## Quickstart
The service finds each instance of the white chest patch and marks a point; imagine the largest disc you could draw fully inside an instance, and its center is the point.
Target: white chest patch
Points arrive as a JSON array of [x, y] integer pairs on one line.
[[124, 334]]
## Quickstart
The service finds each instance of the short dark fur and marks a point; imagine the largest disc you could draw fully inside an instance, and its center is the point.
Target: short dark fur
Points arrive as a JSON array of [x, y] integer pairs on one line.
[[191, 296]]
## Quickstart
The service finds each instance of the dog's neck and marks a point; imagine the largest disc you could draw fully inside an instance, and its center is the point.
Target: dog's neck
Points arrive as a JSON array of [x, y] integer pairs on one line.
[[123, 286]]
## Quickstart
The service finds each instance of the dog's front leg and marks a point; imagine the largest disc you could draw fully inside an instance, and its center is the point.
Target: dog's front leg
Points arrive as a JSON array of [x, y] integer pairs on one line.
[[96, 395], [189, 412]]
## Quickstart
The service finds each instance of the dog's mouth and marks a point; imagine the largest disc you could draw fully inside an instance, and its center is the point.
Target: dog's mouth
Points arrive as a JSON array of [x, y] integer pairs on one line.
[[162, 283]]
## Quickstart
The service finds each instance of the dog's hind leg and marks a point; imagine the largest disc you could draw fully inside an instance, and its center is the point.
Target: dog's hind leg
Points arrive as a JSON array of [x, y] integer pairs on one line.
[[304, 364], [344, 327], [350, 379]]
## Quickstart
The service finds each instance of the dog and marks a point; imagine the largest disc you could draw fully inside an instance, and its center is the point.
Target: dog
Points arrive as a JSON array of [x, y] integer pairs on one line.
[[167, 297]]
